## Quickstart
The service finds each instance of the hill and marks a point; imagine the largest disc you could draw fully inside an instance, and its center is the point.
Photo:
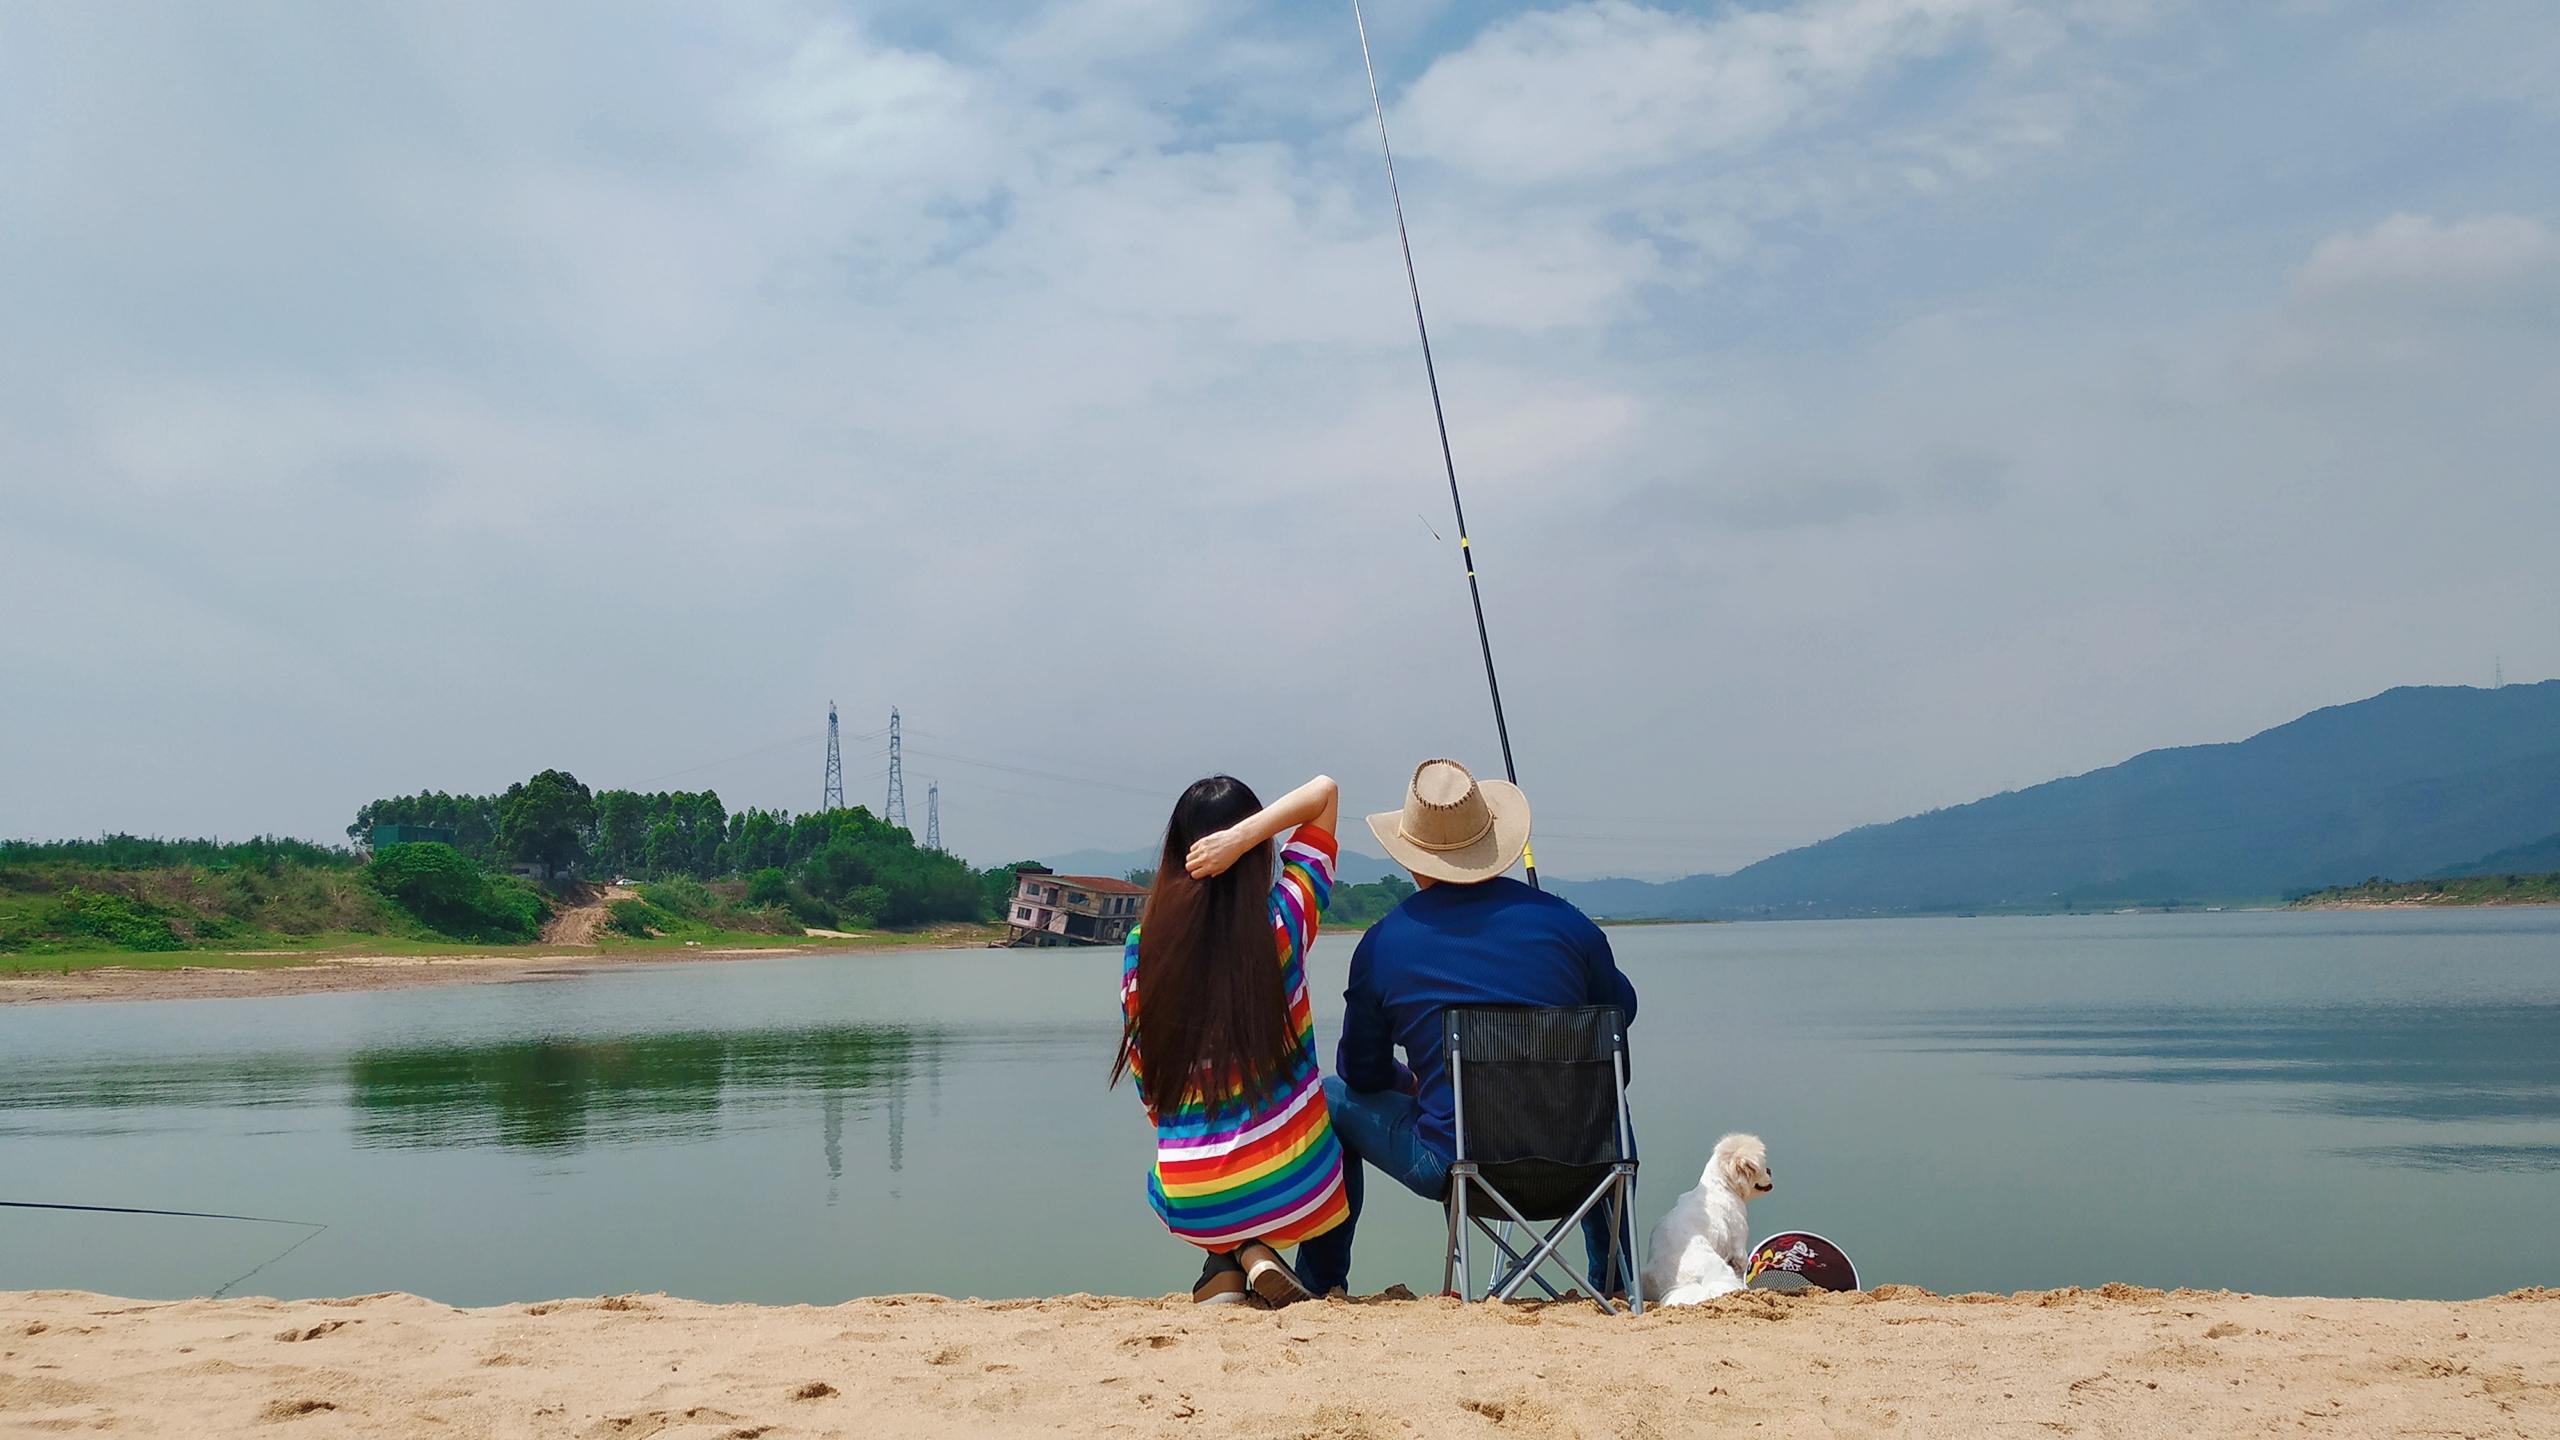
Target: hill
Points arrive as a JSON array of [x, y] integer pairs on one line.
[[2405, 783], [2540, 857]]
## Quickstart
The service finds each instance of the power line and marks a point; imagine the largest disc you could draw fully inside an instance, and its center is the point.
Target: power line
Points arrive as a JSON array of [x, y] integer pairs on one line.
[[764, 749], [1030, 773]]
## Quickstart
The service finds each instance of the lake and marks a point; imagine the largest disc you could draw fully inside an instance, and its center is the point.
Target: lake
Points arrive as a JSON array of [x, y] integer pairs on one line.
[[2333, 1103]]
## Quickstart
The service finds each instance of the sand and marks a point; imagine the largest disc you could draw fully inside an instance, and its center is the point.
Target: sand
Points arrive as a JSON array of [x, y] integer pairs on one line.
[[2117, 1362], [331, 974], [215, 981]]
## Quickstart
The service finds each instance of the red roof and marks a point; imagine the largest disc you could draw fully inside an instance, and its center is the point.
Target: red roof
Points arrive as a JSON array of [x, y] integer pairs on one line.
[[1094, 883]]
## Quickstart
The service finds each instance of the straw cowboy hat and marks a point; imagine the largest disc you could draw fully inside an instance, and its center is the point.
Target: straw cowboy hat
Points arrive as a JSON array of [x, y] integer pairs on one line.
[[1453, 826]]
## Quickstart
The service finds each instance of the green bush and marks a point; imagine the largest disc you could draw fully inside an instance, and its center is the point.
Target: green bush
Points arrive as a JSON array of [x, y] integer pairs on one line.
[[768, 887], [125, 924], [808, 909], [864, 905], [450, 894], [683, 896], [516, 909], [637, 918]]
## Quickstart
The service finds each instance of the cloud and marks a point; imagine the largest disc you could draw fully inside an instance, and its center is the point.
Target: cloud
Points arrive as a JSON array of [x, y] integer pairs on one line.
[[2415, 300], [1602, 88], [1862, 403], [2499, 260]]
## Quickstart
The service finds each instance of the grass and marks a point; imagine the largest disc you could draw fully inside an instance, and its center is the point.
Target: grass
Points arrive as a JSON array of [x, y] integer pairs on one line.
[[2469, 890]]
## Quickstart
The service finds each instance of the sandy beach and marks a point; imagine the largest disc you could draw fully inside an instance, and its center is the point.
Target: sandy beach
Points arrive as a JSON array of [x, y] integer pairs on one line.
[[328, 974], [215, 981], [2116, 1362]]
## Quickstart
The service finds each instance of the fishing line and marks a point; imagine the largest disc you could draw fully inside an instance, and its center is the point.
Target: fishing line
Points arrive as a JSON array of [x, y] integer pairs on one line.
[[263, 1264], [315, 1227], [1466, 551]]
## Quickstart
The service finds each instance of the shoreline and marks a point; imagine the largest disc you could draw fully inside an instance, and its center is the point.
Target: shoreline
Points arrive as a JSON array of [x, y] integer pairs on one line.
[[341, 973], [2114, 1361], [2417, 904]]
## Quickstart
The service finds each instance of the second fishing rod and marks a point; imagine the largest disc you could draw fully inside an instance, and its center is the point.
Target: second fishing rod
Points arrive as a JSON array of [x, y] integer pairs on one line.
[[1457, 503]]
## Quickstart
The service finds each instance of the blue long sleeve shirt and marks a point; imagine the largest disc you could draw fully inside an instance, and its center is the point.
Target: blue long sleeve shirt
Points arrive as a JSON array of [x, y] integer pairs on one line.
[[1496, 943]]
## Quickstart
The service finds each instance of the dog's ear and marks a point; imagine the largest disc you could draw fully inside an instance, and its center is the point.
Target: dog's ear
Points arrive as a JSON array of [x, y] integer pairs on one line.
[[1735, 1157], [1725, 1166]]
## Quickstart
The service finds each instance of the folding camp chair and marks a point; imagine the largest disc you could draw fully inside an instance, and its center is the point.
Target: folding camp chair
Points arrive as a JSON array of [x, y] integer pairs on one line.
[[1542, 1134]]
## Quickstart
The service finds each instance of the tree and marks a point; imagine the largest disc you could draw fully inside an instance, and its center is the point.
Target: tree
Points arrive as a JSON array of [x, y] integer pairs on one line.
[[547, 820], [622, 831], [1146, 877], [668, 853], [706, 824]]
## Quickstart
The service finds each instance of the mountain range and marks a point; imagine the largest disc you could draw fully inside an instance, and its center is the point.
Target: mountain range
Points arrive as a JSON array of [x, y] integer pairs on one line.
[[2413, 782]]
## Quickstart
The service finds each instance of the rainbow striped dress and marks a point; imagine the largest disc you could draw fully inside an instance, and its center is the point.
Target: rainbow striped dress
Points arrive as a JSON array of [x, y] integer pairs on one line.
[[1228, 1170]]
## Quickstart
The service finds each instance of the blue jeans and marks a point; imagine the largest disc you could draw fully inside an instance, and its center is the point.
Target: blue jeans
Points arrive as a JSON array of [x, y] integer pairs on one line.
[[1378, 1129]]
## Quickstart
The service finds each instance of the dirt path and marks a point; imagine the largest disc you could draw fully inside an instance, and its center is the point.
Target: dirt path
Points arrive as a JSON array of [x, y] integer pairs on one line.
[[579, 914]]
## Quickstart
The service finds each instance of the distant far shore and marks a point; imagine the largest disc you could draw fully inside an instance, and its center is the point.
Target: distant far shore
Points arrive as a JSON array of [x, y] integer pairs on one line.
[[1896, 1361], [2420, 904], [215, 975], [2466, 892]]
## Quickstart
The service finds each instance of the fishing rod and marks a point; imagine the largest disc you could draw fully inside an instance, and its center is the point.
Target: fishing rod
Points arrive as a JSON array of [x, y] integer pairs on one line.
[[1466, 551], [314, 1226]]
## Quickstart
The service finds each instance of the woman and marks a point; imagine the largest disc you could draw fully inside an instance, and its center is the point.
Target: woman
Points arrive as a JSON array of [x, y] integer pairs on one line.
[[1218, 1034]]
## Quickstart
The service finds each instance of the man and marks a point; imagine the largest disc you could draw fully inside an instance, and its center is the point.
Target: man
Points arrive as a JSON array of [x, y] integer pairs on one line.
[[1468, 935]]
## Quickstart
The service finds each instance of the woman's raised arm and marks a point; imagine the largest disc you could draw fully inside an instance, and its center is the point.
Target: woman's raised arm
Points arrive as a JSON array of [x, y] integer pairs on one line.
[[1317, 803]]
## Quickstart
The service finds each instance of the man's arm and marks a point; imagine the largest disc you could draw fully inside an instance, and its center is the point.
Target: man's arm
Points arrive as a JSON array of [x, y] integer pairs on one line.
[[1609, 985], [1365, 1057]]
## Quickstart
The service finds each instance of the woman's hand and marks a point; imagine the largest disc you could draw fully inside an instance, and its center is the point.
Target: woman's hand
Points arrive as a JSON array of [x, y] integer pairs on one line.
[[1314, 803], [1211, 855]]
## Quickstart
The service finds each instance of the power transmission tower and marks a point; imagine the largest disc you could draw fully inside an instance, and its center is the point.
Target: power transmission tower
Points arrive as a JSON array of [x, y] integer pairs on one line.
[[896, 810], [834, 797], [933, 815], [2498, 674]]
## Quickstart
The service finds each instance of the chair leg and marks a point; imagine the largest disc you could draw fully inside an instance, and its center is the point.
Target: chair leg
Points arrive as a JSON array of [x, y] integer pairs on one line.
[[1500, 1281], [1546, 1248], [1449, 1247], [1625, 1240], [1466, 1261]]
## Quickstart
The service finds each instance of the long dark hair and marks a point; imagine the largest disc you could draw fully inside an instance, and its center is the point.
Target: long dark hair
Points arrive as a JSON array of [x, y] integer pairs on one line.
[[1209, 996]]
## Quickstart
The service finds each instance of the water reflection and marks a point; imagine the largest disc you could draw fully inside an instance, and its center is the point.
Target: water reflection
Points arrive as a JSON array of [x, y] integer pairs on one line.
[[2440, 1063], [29, 1089], [2510, 1159], [563, 1093], [544, 1093]]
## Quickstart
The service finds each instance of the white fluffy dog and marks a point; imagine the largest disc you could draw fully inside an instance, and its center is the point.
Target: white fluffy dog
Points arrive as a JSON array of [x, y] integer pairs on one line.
[[1700, 1249]]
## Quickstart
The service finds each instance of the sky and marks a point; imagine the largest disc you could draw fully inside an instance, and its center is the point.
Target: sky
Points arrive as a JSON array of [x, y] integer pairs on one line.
[[1862, 405]]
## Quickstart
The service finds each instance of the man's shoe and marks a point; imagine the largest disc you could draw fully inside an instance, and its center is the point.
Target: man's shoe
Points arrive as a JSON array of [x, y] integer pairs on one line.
[[1270, 1276]]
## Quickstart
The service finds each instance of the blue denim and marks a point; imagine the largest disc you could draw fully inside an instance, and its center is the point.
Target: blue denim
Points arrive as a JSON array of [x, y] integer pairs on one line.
[[1380, 1128]]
